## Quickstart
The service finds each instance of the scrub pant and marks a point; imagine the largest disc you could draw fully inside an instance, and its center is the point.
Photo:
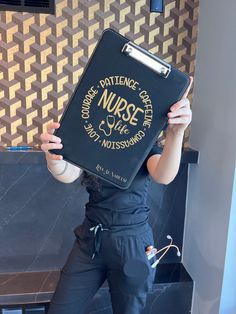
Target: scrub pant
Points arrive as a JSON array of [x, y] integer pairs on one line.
[[100, 252]]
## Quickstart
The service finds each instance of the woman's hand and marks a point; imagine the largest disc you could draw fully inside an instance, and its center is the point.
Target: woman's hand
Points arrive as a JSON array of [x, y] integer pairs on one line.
[[48, 136], [150, 249], [180, 114]]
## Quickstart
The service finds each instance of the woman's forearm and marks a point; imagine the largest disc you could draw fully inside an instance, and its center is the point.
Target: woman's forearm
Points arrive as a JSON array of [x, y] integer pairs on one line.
[[63, 171], [168, 165], [179, 117]]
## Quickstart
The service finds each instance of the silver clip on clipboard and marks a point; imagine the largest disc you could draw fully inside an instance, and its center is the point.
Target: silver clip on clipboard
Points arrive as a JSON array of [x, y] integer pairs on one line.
[[148, 59]]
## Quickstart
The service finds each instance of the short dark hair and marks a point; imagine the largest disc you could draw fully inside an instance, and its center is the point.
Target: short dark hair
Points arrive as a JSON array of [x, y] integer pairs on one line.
[[89, 180]]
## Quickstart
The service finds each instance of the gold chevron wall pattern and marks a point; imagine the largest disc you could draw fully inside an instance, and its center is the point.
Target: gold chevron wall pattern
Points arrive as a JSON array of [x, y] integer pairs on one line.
[[42, 56]]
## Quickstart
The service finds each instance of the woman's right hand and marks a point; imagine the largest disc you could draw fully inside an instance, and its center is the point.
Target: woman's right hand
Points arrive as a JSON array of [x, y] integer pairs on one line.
[[56, 141]]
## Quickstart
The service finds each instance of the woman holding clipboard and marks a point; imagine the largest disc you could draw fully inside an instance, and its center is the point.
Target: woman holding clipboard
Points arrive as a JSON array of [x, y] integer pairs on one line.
[[115, 239]]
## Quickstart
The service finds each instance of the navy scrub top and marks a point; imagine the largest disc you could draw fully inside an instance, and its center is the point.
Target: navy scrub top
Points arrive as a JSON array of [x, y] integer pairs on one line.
[[111, 205]]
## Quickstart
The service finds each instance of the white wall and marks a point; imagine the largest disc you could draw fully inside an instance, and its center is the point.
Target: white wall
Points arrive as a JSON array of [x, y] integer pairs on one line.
[[213, 133], [228, 295]]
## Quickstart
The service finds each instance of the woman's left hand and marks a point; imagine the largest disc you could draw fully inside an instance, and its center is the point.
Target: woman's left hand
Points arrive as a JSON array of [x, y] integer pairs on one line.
[[150, 249], [180, 114]]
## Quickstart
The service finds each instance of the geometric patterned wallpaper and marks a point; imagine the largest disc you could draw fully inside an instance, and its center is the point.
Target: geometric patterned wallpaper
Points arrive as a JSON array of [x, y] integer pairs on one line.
[[42, 56]]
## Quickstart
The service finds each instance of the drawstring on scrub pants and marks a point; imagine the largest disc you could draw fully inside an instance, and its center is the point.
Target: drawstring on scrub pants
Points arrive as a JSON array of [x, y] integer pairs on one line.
[[97, 237], [97, 244]]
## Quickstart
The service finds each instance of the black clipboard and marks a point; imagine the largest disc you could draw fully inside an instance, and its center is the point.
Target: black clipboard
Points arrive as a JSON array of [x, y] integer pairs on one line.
[[118, 109]]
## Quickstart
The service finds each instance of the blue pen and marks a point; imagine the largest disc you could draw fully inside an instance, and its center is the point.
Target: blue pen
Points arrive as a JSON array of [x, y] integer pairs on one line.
[[18, 147]]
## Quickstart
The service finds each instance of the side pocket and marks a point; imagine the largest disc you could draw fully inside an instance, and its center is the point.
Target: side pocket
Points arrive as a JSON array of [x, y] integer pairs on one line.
[[85, 240], [81, 233], [148, 240]]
